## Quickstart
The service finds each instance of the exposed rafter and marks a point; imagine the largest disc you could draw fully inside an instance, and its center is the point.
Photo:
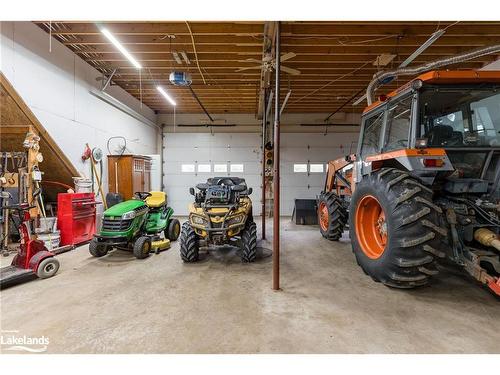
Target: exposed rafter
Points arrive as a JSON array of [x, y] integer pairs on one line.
[[226, 53]]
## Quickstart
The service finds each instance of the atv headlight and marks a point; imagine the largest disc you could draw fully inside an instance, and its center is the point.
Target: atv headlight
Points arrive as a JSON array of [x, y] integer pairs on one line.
[[235, 220], [198, 220], [128, 215]]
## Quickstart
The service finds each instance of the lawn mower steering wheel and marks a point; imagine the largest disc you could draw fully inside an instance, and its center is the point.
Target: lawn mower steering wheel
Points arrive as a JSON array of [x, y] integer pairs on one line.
[[142, 195]]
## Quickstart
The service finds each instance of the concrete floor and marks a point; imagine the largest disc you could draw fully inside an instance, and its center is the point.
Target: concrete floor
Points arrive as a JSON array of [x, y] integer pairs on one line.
[[118, 304]]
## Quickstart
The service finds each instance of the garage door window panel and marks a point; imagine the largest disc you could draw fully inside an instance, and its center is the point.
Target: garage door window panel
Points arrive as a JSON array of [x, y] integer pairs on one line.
[[300, 168], [237, 168], [316, 168], [220, 168], [204, 168], [187, 168]]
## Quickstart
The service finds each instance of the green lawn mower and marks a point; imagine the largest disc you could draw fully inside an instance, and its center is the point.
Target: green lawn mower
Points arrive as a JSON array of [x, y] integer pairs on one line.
[[137, 225]]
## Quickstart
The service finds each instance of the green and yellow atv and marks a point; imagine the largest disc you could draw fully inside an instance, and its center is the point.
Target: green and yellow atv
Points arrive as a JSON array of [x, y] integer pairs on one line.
[[137, 225]]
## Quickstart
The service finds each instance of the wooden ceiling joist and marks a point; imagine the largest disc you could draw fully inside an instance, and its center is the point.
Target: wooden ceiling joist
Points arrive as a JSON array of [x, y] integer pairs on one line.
[[338, 52]]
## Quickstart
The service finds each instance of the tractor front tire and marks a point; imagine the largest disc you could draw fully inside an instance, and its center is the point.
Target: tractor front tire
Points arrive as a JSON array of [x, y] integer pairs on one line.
[[47, 268], [173, 230], [394, 229], [142, 247], [332, 216], [97, 249], [189, 244], [249, 243]]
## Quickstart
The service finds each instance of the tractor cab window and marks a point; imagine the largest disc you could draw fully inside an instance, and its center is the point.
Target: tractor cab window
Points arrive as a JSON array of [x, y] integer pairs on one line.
[[371, 135], [465, 117], [398, 124]]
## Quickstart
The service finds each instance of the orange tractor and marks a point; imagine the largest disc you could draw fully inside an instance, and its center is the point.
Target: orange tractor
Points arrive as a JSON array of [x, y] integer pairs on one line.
[[423, 188]]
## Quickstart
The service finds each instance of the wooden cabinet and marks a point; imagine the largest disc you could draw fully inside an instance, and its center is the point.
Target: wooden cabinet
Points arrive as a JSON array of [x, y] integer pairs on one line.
[[128, 174]]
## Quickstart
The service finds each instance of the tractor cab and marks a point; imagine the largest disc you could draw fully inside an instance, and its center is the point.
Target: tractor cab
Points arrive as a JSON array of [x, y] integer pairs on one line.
[[442, 126]]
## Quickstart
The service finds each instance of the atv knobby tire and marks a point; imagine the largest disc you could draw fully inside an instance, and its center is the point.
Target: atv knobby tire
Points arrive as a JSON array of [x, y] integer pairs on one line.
[[249, 243], [142, 247], [189, 243], [411, 230], [332, 216], [97, 249]]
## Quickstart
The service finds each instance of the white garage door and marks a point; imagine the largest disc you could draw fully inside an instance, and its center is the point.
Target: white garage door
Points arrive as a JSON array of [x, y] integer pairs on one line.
[[192, 158], [303, 163]]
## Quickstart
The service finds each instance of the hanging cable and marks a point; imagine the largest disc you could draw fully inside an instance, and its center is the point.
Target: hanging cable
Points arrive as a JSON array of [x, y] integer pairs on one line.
[[195, 53]]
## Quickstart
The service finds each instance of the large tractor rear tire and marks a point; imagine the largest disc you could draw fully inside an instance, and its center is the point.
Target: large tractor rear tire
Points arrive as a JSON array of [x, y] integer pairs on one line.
[[332, 216], [394, 229], [189, 243]]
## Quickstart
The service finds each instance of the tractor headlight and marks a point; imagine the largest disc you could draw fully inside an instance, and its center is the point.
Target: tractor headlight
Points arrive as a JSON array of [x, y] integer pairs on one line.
[[235, 220], [199, 220], [128, 215]]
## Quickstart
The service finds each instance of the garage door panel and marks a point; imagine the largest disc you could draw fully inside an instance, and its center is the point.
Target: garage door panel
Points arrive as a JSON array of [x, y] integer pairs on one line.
[[244, 149], [319, 140], [180, 180], [235, 140]]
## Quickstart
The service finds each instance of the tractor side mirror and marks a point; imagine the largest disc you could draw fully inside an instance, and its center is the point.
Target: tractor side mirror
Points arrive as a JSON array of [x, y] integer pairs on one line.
[[250, 190], [191, 190]]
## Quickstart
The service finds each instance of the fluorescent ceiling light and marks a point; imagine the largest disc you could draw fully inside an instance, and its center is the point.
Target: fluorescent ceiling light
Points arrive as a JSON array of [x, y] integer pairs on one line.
[[168, 97], [422, 48], [186, 59], [176, 57], [120, 47]]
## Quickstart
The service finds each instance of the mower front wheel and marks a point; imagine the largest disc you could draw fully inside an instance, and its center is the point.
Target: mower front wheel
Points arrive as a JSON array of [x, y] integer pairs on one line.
[[142, 247], [173, 230], [97, 249]]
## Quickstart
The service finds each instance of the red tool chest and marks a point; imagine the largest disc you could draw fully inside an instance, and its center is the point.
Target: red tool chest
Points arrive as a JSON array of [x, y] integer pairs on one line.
[[76, 216]]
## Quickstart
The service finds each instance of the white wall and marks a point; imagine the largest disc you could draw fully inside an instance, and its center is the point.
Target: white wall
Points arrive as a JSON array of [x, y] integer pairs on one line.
[[55, 85], [245, 148]]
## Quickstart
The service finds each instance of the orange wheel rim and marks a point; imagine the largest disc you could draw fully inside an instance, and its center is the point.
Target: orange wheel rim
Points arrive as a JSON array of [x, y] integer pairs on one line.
[[323, 216], [371, 227]]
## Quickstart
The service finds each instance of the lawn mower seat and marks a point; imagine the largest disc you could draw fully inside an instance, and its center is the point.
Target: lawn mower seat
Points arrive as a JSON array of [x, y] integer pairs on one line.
[[156, 199]]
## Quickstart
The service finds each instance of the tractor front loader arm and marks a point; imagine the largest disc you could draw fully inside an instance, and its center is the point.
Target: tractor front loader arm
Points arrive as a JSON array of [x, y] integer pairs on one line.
[[336, 179]]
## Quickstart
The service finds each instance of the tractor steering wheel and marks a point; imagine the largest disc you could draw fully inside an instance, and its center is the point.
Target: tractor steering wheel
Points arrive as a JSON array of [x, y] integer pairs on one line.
[[142, 195]]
